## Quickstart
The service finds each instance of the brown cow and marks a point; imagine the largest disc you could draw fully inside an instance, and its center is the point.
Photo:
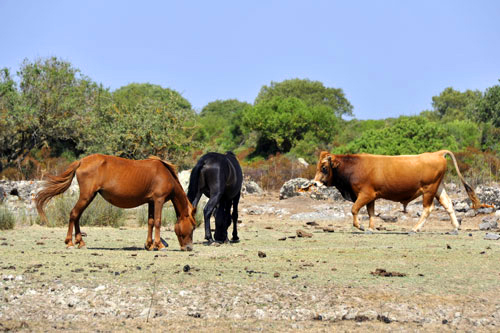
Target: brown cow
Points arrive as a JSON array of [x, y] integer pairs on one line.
[[363, 178]]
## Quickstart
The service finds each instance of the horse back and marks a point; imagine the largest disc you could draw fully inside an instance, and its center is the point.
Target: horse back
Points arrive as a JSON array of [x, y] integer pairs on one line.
[[125, 182]]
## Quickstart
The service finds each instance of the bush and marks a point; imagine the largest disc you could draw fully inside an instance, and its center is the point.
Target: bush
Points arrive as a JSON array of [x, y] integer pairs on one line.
[[272, 173], [98, 213], [7, 220]]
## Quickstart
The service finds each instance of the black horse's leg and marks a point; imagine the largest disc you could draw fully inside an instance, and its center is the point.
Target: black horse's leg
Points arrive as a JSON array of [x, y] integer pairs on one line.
[[222, 221], [236, 200], [207, 212]]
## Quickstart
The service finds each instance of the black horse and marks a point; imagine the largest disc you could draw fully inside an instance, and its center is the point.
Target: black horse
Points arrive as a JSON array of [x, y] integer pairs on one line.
[[219, 177]]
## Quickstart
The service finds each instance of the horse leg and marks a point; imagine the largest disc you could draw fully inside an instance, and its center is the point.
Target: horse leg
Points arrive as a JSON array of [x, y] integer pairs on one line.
[[74, 219], [158, 207], [207, 212], [234, 216], [149, 239], [220, 234]]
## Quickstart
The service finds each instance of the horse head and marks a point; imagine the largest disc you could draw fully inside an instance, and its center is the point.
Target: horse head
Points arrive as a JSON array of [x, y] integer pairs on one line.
[[184, 229]]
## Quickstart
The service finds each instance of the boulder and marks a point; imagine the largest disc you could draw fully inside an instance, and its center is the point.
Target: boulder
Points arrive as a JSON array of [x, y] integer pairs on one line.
[[251, 187], [305, 187], [488, 223], [489, 195]]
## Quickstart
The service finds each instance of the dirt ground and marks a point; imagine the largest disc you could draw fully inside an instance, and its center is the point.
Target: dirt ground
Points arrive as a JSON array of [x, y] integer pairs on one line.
[[332, 278]]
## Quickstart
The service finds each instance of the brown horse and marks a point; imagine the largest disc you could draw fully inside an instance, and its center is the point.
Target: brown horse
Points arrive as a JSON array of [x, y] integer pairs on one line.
[[125, 184]]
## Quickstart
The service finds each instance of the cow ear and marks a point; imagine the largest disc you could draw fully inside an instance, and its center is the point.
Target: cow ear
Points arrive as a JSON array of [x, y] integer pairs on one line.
[[333, 162]]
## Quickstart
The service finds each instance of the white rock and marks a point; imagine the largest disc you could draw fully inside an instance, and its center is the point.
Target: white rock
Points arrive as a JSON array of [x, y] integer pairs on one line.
[[100, 288]]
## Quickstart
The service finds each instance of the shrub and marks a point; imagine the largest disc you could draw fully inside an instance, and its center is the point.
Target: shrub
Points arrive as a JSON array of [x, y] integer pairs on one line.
[[7, 220], [272, 173]]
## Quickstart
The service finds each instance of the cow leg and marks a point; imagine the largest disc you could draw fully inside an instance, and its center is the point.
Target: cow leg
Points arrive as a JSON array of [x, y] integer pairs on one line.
[[371, 213], [445, 201], [362, 200], [428, 207]]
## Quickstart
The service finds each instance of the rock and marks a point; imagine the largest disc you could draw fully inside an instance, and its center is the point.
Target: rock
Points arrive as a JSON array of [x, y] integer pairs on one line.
[[461, 206], [328, 229], [303, 162], [387, 218], [2, 194], [276, 275], [302, 233], [261, 254], [186, 268], [491, 236], [489, 195], [488, 210], [301, 186], [488, 223], [251, 187]]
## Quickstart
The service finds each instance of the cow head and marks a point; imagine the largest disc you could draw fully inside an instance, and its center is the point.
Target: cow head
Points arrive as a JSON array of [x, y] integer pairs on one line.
[[324, 170]]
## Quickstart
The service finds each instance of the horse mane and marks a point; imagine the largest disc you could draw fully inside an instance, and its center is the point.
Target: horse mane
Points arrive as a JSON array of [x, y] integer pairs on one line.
[[171, 167]]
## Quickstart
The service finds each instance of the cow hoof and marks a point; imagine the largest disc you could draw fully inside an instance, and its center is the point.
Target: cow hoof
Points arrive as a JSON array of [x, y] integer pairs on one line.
[[71, 247], [368, 232], [163, 249], [412, 233], [164, 242]]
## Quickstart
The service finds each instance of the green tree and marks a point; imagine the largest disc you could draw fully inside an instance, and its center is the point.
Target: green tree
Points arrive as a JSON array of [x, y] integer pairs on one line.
[[282, 122], [312, 93], [220, 124], [408, 135], [452, 104], [128, 97], [153, 121], [50, 107], [489, 106]]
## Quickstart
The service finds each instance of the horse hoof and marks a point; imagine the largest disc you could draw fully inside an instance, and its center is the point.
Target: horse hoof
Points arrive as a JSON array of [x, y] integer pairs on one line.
[[208, 242], [164, 242], [237, 240]]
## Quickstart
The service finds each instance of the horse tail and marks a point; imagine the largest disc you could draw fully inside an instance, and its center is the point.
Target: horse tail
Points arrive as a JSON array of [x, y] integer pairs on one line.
[[194, 181], [476, 204], [53, 186]]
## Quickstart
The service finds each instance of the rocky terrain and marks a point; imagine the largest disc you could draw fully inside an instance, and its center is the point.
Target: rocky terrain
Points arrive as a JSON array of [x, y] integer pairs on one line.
[[299, 266]]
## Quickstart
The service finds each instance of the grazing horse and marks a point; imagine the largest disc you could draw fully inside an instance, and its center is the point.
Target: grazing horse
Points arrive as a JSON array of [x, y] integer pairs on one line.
[[219, 177], [126, 184]]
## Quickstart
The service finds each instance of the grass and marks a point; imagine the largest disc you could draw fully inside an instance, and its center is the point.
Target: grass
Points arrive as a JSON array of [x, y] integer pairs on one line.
[[433, 263], [7, 220]]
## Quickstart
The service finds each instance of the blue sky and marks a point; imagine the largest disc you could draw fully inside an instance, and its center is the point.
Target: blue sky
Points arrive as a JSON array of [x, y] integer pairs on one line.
[[389, 57]]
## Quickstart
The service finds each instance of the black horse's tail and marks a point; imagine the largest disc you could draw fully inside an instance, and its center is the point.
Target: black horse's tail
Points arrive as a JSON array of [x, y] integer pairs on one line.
[[194, 180]]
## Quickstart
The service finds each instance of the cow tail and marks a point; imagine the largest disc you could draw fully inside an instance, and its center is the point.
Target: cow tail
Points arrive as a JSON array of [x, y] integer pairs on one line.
[[476, 204], [193, 182], [53, 186]]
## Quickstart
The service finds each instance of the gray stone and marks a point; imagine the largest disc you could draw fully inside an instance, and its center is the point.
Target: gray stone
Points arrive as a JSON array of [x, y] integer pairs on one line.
[[388, 218], [488, 223], [489, 195], [305, 187], [461, 206], [491, 236], [251, 187]]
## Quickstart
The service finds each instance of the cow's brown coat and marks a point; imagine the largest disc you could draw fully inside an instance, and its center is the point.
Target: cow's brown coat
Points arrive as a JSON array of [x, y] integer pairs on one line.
[[363, 178]]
